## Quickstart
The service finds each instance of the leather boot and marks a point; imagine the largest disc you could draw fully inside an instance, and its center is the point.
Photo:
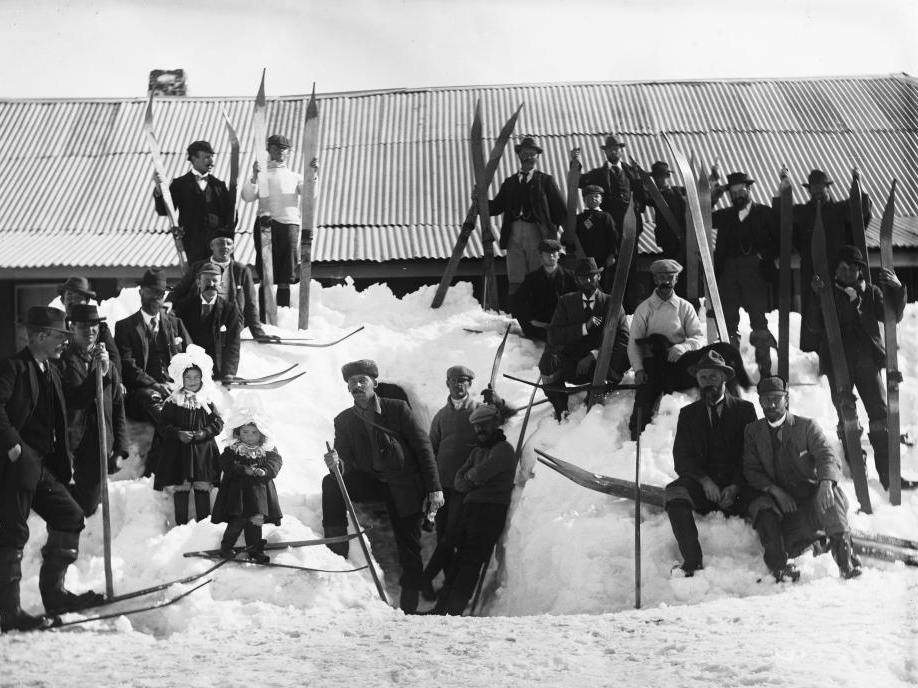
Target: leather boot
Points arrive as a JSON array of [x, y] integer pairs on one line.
[[12, 617], [762, 341], [201, 505], [339, 548], [180, 500], [230, 536], [408, 600], [58, 554], [849, 565], [283, 296], [879, 442], [255, 544]]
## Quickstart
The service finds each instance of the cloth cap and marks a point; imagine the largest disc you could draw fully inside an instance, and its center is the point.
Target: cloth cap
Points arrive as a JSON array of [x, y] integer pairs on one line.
[[612, 141], [660, 169], [527, 142], [459, 371], [199, 147], [818, 177], [773, 383], [222, 237], [78, 284], [666, 266], [483, 412], [549, 246], [364, 366], [83, 312], [279, 140], [46, 318], [591, 189], [712, 361], [850, 254], [209, 268], [586, 266], [154, 277], [739, 178]]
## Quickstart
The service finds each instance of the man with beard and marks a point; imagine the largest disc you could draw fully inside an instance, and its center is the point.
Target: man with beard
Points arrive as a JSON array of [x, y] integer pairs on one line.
[[205, 207], [708, 457], [664, 328], [486, 480], [836, 220], [75, 290], [788, 458], [385, 456], [532, 209], [744, 263], [34, 472], [213, 322], [575, 336], [535, 301], [78, 378], [860, 307]]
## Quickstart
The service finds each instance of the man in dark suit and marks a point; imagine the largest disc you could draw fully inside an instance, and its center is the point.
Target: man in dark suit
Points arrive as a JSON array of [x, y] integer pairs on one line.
[[213, 322], [204, 205], [532, 208], [708, 456], [385, 455], [744, 263], [575, 336], [535, 301], [599, 237], [75, 290], [34, 472]]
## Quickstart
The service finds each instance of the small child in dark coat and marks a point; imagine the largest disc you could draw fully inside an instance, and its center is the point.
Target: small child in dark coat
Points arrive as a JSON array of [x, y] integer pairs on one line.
[[247, 498]]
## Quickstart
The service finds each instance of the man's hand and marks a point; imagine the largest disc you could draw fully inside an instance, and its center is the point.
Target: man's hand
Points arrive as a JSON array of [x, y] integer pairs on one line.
[[640, 377], [314, 164], [256, 168], [594, 322], [435, 501], [265, 338], [539, 323], [674, 353], [584, 365], [332, 460], [178, 232], [157, 178], [786, 503], [825, 495], [162, 389], [575, 154], [100, 358], [14, 453], [711, 491], [185, 436], [889, 279], [816, 284], [728, 496]]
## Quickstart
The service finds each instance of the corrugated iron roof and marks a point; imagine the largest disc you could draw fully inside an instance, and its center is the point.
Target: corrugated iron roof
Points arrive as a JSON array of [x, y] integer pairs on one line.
[[395, 170]]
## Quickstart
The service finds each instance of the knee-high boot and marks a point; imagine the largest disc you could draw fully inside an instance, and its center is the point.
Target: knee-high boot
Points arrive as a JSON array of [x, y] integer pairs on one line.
[[255, 544], [230, 536], [180, 500], [58, 554], [12, 617]]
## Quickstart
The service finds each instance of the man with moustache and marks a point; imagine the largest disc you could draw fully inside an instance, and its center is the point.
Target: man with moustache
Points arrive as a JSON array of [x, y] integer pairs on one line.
[[744, 264], [204, 205], [575, 336], [34, 472], [77, 369], [76, 290], [535, 301], [213, 322], [708, 457], [386, 456]]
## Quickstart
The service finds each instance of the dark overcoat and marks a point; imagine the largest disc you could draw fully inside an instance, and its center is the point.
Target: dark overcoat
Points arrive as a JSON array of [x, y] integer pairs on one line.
[[196, 461], [220, 335], [247, 495], [242, 285], [131, 338]]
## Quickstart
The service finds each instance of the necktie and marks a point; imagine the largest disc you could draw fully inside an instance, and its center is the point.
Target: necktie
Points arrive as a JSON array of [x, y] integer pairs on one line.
[[715, 412], [205, 309], [524, 177], [151, 328], [588, 307]]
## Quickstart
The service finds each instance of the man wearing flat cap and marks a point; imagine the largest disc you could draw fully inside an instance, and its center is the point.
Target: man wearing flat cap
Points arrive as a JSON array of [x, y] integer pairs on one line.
[[534, 302], [708, 458], [76, 290], [485, 481], [213, 322], [204, 204], [597, 231], [532, 209], [78, 378], [385, 456], [575, 337], [35, 469], [664, 328], [861, 308], [839, 231], [788, 458], [744, 264]]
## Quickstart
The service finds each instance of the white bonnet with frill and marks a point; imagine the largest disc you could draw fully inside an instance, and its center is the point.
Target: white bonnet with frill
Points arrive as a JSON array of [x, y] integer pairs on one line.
[[247, 408]]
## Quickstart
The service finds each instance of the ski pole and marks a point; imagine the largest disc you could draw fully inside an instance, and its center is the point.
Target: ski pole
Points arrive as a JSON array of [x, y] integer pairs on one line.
[[637, 515], [361, 538], [103, 481]]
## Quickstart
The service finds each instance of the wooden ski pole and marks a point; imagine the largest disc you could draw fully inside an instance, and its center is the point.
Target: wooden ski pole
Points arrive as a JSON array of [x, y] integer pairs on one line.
[[103, 481], [361, 537], [637, 515]]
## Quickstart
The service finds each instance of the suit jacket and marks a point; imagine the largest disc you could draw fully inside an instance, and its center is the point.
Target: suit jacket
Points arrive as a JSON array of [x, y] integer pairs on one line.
[[245, 295], [409, 466], [601, 240], [18, 398], [548, 207], [806, 453], [200, 226], [618, 187], [690, 447], [131, 338], [565, 331], [538, 295], [755, 234], [225, 331]]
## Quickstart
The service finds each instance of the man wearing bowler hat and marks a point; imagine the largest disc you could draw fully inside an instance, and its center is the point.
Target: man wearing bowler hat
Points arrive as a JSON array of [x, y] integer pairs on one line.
[[34, 472], [535, 301], [532, 209], [76, 290], [78, 377], [860, 307], [575, 337], [744, 264], [204, 205], [708, 458]]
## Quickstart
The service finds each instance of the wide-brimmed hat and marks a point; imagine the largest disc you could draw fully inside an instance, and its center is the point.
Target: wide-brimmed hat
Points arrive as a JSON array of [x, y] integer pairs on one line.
[[665, 266], [660, 169], [850, 254], [458, 371], [739, 178], [153, 277], [817, 177], [46, 318], [364, 366], [591, 189], [83, 312], [199, 147], [527, 142], [550, 246], [586, 266], [278, 140], [711, 360], [612, 141], [80, 285], [771, 385]]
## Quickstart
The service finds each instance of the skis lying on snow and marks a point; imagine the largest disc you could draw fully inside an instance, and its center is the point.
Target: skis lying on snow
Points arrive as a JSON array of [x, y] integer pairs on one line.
[[272, 564], [283, 544], [272, 381], [295, 341], [264, 378], [573, 389]]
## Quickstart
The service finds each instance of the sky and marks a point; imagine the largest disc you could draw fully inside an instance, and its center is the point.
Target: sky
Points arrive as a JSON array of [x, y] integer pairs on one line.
[[106, 48]]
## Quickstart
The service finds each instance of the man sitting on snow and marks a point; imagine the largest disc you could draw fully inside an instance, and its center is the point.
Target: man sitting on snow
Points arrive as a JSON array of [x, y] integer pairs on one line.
[[708, 455], [534, 302], [788, 458]]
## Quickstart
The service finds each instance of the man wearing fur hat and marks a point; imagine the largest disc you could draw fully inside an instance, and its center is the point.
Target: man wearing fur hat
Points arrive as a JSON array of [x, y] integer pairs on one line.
[[788, 458], [204, 205], [213, 322], [708, 458], [34, 472], [535, 301], [575, 336], [744, 263], [532, 208], [76, 290], [860, 307], [385, 455], [664, 328]]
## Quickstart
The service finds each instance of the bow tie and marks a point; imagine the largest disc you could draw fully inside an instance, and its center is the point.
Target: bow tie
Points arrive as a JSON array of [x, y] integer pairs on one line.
[[200, 177]]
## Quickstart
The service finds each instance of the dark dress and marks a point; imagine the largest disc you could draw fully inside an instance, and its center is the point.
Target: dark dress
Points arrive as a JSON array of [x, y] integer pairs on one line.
[[247, 495], [196, 461]]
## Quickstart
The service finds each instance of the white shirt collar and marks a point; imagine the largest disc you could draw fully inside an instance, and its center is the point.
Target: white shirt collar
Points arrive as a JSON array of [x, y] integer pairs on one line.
[[778, 423]]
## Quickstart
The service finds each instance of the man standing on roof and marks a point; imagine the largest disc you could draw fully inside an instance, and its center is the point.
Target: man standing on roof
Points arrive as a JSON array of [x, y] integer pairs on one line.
[[204, 205], [535, 301]]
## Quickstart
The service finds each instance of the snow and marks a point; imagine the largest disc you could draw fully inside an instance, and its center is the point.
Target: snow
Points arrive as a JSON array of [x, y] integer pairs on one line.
[[563, 615]]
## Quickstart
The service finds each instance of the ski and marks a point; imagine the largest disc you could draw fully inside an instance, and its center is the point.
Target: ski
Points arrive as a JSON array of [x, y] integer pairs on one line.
[[468, 226], [489, 298], [874, 551], [695, 215], [282, 544], [658, 201], [495, 366], [293, 341], [267, 302], [573, 389], [704, 193], [274, 564], [268, 384], [610, 322], [264, 378], [839, 375], [570, 224], [159, 168], [308, 204], [880, 539], [856, 213], [786, 219], [514, 411], [233, 181], [893, 374]]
